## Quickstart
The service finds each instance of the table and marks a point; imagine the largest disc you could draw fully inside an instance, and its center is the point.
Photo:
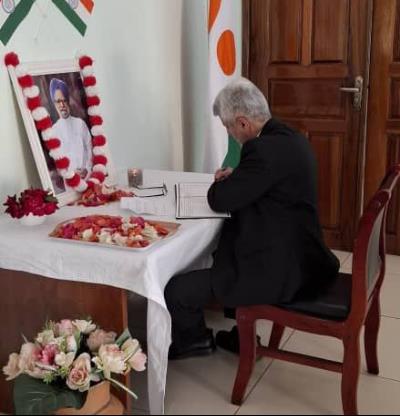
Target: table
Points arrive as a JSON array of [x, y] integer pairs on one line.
[[29, 250]]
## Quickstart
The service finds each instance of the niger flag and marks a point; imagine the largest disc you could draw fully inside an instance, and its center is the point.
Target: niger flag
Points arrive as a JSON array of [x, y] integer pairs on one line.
[[220, 150]]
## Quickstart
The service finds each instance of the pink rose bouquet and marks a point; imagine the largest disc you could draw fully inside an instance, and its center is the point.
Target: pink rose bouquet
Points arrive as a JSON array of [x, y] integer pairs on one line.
[[67, 358]]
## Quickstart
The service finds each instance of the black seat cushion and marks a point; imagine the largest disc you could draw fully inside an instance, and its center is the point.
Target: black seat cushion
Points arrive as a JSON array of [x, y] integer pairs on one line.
[[332, 302]]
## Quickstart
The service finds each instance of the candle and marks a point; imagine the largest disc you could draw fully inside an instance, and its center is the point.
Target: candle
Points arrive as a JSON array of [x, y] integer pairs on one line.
[[135, 177]]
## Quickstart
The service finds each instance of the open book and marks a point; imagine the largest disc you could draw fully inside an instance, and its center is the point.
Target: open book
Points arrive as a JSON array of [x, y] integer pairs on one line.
[[191, 201]]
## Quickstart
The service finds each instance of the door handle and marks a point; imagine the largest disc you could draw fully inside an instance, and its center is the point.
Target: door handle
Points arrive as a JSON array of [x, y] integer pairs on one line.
[[357, 90]]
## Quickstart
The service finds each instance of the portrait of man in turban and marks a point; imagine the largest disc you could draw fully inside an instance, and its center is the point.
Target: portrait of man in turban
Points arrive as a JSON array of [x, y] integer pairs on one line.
[[72, 131]]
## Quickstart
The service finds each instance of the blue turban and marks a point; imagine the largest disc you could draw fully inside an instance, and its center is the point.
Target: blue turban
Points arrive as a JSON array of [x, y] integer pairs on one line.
[[57, 84]]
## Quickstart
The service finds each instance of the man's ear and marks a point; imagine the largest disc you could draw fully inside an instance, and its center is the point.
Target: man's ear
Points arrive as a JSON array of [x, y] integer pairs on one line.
[[244, 123]]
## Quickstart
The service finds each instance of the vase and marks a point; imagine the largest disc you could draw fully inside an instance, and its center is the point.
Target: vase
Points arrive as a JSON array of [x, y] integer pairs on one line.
[[99, 401], [31, 219]]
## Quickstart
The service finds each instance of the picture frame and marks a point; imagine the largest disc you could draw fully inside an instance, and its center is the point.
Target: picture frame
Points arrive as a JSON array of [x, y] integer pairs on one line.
[[70, 119]]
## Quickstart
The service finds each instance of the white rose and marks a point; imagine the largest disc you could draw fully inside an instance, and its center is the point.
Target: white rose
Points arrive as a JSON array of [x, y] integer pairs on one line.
[[12, 370], [72, 345], [45, 337], [150, 232], [105, 237], [87, 235], [110, 360], [64, 360], [28, 356], [119, 239], [85, 327]]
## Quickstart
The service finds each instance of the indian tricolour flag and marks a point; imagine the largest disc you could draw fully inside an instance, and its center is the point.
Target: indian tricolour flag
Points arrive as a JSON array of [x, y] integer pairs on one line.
[[77, 12], [12, 13], [220, 150]]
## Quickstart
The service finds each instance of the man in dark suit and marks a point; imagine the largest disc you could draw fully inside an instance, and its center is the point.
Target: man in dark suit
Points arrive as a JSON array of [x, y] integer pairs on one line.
[[272, 246]]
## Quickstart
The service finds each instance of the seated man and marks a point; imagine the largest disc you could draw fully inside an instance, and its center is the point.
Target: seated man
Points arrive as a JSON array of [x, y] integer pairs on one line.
[[272, 246]]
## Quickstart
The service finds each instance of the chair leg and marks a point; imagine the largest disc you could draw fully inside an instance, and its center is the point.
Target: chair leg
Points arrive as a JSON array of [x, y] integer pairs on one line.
[[247, 336], [351, 374], [372, 325], [276, 336]]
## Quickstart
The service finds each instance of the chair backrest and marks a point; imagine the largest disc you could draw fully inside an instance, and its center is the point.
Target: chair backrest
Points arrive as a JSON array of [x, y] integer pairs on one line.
[[370, 247]]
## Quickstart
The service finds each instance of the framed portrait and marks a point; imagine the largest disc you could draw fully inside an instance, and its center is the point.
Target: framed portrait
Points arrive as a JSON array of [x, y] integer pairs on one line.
[[63, 96]]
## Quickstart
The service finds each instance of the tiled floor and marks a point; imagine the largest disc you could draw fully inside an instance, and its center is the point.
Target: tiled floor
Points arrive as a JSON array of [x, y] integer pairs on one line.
[[203, 385]]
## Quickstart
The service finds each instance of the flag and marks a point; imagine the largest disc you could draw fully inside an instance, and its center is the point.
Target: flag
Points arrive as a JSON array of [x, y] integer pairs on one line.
[[77, 12], [220, 150], [12, 13]]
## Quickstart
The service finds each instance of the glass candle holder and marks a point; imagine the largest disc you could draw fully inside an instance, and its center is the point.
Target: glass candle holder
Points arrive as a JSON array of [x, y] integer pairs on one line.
[[135, 177]]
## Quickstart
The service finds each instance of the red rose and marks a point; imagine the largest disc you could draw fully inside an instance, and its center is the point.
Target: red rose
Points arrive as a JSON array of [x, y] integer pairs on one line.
[[31, 201], [13, 207]]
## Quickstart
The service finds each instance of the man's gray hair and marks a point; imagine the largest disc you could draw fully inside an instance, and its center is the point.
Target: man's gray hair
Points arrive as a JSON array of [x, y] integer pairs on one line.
[[241, 98]]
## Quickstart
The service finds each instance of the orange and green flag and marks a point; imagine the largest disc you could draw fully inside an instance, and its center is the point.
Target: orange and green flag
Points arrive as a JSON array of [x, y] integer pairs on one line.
[[12, 13], [220, 150], [77, 12]]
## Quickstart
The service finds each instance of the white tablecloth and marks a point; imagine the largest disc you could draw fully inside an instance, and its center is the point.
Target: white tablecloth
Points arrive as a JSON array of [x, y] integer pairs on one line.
[[28, 249]]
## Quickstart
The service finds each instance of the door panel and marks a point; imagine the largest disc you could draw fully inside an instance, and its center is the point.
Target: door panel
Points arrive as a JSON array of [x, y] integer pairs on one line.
[[383, 140], [300, 53]]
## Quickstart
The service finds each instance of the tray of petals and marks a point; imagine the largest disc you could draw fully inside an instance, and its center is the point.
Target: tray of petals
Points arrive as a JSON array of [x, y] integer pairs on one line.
[[133, 233]]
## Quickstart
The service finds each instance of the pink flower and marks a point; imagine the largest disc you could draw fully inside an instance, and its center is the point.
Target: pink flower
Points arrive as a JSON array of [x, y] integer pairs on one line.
[[99, 338], [48, 354], [64, 328], [79, 376], [139, 221], [134, 355], [138, 361]]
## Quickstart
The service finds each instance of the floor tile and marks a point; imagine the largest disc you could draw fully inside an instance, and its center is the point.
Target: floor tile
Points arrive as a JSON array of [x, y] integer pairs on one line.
[[331, 348], [292, 389], [390, 295], [392, 264], [203, 385], [341, 255]]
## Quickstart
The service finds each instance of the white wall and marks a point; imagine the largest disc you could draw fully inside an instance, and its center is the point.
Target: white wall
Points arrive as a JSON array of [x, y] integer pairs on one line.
[[137, 51], [151, 60]]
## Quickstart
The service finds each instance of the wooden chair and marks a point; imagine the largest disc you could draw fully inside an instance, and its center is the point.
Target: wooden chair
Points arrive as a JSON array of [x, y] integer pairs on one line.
[[350, 302]]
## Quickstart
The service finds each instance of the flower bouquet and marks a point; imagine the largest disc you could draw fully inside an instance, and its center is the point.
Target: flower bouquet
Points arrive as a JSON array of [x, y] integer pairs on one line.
[[65, 360], [32, 206]]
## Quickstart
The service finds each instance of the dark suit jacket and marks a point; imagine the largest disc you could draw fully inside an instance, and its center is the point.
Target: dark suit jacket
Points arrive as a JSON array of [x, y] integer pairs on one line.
[[272, 246]]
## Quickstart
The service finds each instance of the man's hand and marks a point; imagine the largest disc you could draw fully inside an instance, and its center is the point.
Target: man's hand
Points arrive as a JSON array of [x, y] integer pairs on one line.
[[222, 174]]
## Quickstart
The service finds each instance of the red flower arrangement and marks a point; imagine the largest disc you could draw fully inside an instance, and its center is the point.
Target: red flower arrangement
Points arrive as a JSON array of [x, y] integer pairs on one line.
[[31, 201]]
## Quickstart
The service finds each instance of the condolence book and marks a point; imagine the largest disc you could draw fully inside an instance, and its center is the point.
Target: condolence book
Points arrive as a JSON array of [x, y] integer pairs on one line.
[[191, 201]]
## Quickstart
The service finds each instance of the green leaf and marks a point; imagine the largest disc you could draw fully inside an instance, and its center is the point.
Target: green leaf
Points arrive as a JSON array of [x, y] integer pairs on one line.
[[33, 397], [123, 337]]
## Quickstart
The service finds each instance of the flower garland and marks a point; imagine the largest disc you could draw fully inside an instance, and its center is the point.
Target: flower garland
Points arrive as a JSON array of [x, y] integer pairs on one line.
[[45, 125]]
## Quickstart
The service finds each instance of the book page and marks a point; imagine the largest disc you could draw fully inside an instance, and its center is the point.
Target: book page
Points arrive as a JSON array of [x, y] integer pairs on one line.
[[192, 201], [194, 189]]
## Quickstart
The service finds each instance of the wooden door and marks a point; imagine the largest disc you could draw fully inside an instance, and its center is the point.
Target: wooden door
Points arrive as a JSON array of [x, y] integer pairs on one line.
[[300, 53], [383, 140]]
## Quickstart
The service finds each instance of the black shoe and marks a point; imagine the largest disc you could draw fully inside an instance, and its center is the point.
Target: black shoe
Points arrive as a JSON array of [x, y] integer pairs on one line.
[[204, 345], [229, 340]]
